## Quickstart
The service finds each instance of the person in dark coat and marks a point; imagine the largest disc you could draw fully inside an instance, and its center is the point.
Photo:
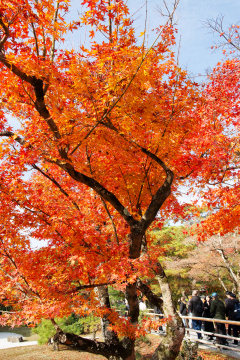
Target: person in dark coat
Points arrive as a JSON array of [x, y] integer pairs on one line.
[[203, 298], [230, 307], [196, 308], [183, 309], [227, 303], [217, 311], [208, 326]]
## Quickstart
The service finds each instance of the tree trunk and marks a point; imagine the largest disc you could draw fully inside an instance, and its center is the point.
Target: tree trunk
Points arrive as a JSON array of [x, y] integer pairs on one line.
[[110, 337], [132, 356], [238, 283], [222, 283], [175, 331]]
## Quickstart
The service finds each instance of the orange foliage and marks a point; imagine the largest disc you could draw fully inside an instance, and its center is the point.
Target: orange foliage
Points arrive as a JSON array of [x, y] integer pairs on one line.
[[103, 131]]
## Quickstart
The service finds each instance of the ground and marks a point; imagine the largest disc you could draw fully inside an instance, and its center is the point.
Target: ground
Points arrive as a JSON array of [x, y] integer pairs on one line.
[[45, 352], [210, 355]]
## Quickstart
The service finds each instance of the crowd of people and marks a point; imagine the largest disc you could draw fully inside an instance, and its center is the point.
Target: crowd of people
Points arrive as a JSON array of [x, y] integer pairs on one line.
[[212, 307]]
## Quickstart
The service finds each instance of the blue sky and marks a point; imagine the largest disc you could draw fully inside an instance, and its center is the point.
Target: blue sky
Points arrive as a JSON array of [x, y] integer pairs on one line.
[[196, 40]]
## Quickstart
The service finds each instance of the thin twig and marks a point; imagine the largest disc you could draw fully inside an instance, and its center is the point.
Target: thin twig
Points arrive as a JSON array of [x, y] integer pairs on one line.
[[35, 38], [140, 65], [103, 201], [53, 38]]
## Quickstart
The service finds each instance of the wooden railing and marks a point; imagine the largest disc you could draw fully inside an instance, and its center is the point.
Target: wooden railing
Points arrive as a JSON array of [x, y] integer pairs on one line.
[[215, 334], [150, 312]]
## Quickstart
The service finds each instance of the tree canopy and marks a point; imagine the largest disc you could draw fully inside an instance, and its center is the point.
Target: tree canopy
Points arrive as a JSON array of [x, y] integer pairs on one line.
[[109, 135]]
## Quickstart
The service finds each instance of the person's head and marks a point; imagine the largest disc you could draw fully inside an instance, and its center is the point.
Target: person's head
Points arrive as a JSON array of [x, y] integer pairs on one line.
[[190, 296], [214, 295], [227, 293], [195, 293], [203, 298], [183, 298], [208, 298], [232, 296]]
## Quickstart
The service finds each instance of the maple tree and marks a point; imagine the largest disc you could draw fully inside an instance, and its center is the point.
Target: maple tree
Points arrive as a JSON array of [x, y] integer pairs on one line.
[[220, 194], [109, 134]]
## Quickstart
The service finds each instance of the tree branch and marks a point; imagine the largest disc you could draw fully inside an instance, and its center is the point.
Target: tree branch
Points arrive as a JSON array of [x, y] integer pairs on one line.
[[57, 184], [162, 193], [120, 350], [152, 298], [53, 38], [6, 30], [84, 179], [92, 286], [101, 190], [35, 38], [14, 136], [39, 92]]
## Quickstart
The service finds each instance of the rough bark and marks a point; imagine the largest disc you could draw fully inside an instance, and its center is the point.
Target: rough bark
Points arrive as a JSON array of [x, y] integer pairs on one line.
[[222, 283], [170, 345], [131, 289], [175, 331], [120, 351], [235, 276], [153, 299], [110, 351], [110, 337]]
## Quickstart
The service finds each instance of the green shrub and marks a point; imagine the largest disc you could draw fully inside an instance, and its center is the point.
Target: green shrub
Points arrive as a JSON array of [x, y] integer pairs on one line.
[[72, 324], [117, 300], [45, 330]]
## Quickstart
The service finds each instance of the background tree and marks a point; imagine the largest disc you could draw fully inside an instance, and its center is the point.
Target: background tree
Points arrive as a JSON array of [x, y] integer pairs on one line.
[[212, 264], [175, 246], [222, 192]]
